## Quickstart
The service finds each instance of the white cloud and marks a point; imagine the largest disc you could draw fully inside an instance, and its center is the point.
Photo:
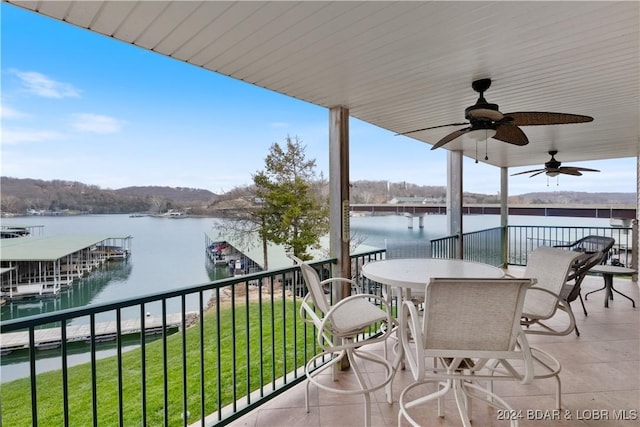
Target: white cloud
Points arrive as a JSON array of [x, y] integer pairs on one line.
[[12, 137], [95, 123], [41, 85], [9, 113]]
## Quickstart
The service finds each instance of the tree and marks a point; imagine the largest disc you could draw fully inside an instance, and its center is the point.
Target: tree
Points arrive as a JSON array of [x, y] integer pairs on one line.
[[292, 214]]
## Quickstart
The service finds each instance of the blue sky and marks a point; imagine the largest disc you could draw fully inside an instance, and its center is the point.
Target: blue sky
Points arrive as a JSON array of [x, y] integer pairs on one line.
[[79, 106]]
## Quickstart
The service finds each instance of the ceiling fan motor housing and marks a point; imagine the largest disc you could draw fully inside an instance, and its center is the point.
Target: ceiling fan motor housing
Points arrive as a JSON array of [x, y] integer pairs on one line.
[[484, 112], [553, 163]]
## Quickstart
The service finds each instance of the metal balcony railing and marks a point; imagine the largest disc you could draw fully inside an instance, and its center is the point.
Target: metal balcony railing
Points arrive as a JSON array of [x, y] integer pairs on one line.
[[202, 355], [480, 246], [524, 239], [487, 245]]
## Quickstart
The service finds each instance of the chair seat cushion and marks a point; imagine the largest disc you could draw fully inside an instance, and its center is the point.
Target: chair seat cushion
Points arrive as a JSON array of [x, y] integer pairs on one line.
[[355, 315]]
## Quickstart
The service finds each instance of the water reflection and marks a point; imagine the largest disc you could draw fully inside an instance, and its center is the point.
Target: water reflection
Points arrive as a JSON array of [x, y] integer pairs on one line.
[[82, 292], [216, 272]]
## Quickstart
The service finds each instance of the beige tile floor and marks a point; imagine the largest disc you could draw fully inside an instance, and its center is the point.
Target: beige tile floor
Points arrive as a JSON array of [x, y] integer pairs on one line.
[[600, 380]]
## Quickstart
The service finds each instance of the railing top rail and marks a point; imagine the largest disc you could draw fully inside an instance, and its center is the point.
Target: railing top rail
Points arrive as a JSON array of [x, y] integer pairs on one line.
[[589, 227]]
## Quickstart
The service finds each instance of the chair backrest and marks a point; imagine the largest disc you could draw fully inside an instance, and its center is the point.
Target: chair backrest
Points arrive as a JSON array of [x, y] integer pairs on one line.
[[312, 280], [551, 267], [579, 270], [592, 244], [407, 248], [473, 314]]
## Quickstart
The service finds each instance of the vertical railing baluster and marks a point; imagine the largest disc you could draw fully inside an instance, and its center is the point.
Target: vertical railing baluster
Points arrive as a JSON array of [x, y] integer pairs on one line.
[[260, 336], [165, 365], [143, 366], [32, 372], [183, 324], [248, 343], [233, 347], [119, 368], [284, 322], [218, 357], [94, 386], [295, 336], [202, 352], [273, 334], [65, 374]]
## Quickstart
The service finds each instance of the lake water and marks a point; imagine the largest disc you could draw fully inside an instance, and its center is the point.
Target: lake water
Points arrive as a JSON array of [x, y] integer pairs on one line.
[[170, 253], [167, 254]]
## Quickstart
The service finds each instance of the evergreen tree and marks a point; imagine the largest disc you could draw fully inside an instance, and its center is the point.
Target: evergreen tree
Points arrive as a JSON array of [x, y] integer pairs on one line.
[[292, 213]]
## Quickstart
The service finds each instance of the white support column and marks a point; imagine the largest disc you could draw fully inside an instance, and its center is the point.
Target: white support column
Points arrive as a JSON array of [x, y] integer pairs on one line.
[[421, 221], [504, 214], [409, 221], [454, 197], [339, 233]]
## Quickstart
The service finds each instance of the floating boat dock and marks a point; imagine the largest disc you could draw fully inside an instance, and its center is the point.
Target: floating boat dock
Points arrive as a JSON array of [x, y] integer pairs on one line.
[[41, 266], [51, 338], [221, 253]]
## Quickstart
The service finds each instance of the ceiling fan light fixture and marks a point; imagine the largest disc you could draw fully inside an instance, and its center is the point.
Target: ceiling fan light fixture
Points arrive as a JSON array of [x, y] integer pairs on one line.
[[553, 173], [479, 135]]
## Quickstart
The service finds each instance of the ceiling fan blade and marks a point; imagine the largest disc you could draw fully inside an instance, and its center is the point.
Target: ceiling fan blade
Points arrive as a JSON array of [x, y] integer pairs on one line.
[[583, 169], [526, 172], [538, 118], [538, 173], [507, 132], [450, 137], [569, 171], [432, 127]]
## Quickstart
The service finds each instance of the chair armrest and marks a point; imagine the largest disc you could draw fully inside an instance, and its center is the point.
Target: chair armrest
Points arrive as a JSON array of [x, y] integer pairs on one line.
[[562, 305], [354, 285]]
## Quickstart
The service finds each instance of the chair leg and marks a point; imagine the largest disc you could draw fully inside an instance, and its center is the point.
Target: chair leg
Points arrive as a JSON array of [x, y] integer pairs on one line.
[[583, 307], [363, 385], [462, 401], [558, 393]]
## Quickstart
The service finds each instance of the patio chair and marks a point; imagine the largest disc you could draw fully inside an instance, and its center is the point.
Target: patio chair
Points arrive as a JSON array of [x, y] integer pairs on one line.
[[340, 334], [551, 268], [471, 330], [399, 248], [591, 244], [572, 288], [406, 249]]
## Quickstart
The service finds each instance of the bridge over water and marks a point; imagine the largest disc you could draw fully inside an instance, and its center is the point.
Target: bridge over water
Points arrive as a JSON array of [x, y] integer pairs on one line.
[[420, 210]]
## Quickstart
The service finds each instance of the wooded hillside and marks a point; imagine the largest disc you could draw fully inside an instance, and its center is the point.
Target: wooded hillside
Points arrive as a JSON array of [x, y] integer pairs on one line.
[[20, 195]]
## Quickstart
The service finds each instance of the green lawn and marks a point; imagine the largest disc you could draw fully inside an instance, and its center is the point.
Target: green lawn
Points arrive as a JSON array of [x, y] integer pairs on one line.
[[277, 347]]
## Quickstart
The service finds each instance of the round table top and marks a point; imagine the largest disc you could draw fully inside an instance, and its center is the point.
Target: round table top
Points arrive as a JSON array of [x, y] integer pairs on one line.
[[612, 269], [417, 272]]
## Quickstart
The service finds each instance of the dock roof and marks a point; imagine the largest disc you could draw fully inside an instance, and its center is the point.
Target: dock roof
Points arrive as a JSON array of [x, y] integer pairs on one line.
[[277, 254], [49, 248]]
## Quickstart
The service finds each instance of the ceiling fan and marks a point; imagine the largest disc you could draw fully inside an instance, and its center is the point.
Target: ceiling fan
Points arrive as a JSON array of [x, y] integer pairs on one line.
[[486, 121], [553, 168]]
